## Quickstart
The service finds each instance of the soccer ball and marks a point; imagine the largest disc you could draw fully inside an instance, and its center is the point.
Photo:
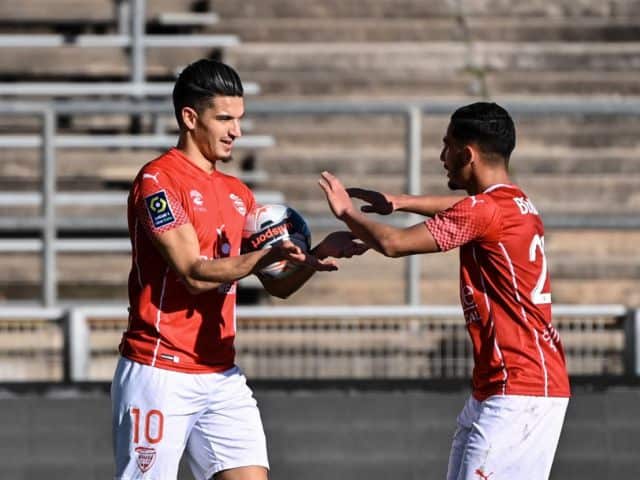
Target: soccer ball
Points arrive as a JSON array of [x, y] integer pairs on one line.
[[266, 225]]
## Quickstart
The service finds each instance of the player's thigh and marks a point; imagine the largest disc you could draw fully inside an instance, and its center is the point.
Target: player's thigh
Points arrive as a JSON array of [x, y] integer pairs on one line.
[[229, 435], [513, 437], [151, 420]]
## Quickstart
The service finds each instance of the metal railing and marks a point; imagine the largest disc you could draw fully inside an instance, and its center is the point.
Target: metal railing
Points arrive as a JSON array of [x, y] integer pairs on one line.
[[412, 112], [49, 198], [132, 36], [79, 343]]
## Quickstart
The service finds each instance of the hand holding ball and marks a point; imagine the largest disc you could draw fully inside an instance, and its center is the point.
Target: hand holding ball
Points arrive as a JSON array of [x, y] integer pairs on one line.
[[267, 225]]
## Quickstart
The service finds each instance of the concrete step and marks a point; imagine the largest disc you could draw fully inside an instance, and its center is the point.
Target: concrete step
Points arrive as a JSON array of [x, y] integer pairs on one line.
[[388, 131], [99, 63], [79, 11], [332, 9], [356, 70], [341, 290], [436, 57], [293, 30], [20, 169], [423, 9], [82, 169], [429, 29], [65, 11], [576, 82], [551, 193], [494, 28], [380, 160], [586, 267]]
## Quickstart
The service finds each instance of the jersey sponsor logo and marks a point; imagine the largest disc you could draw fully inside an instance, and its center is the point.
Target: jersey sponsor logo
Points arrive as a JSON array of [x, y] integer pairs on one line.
[[146, 457], [238, 204], [196, 197], [272, 233], [159, 209], [525, 206], [469, 306]]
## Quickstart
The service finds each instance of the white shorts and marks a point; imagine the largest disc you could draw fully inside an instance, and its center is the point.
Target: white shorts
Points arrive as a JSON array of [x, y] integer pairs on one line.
[[157, 414], [506, 437]]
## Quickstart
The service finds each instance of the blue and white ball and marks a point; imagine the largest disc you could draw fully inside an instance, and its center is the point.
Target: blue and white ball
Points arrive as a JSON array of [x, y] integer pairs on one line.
[[269, 224]]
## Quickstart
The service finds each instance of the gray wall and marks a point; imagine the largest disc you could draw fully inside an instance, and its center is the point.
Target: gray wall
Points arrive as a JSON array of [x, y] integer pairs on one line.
[[345, 433]]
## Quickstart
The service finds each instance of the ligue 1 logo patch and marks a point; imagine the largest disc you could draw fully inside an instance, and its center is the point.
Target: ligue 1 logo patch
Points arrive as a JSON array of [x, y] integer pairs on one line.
[[146, 457], [159, 209]]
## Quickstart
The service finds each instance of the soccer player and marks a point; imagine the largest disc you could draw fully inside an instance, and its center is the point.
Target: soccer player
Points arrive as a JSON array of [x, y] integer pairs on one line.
[[176, 387], [510, 426]]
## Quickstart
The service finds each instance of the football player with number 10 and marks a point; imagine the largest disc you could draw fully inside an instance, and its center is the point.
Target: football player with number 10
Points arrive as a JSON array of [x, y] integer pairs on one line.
[[176, 387]]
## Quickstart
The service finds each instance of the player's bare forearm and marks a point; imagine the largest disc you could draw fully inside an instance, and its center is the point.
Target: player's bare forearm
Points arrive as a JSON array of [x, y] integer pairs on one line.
[[427, 205], [386, 239], [181, 249], [379, 236], [228, 269], [386, 203]]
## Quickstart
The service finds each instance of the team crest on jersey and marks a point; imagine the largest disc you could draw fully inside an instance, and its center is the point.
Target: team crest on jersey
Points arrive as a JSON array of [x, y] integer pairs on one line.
[[146, 457], [159, 209], [238, 204]]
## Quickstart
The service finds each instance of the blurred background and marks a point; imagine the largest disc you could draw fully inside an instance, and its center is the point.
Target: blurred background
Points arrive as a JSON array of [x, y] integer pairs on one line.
[[361, 374]]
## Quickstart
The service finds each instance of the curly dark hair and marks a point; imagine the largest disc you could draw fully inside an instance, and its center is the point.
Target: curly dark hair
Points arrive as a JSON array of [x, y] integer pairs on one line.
[[487, 125]]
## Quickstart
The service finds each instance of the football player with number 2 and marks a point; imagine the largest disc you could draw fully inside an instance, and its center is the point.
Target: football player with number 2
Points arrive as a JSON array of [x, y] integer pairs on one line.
[[511, 424], [176, 387]]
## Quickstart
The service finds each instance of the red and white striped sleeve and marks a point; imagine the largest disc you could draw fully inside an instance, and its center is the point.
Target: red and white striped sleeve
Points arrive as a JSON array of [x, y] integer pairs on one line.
[[464, 222], [157, 205]]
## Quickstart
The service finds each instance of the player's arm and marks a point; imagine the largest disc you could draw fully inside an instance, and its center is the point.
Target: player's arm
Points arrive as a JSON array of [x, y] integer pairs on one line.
[[181, 249], [386, 203], [336, 245], [386, 239]]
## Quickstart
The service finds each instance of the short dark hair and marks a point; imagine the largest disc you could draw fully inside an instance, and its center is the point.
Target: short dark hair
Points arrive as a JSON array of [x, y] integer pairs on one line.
[[487, 125], [200, 82]]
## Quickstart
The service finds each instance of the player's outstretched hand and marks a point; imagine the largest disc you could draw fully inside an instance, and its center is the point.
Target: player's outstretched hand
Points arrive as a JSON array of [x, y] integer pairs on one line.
[[287, 250], [378, 202], [337, 197], [340, 244]]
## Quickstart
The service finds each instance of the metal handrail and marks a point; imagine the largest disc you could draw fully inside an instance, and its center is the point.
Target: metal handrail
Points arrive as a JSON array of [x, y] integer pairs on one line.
[[77, 344], [411, 111], [143, 88], [131, 35]]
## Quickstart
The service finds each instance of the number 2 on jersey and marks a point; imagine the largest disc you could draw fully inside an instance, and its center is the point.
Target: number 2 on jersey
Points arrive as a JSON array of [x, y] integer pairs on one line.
[[537, 296]]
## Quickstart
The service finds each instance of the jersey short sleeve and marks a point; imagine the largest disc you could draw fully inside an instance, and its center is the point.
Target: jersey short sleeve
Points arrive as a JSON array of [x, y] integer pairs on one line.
[[157, 203], [467, 220]]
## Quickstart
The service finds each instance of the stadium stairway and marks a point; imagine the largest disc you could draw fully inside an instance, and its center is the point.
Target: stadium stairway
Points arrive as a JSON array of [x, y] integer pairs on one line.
[[569, 164], [387, 49]]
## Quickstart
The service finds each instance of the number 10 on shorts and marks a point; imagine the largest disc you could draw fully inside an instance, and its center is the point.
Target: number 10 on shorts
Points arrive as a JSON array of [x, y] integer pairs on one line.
[[151, 425]]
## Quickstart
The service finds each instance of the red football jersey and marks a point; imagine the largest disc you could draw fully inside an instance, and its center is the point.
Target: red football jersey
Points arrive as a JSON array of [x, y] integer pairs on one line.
[[169, 327], [505, 293]]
